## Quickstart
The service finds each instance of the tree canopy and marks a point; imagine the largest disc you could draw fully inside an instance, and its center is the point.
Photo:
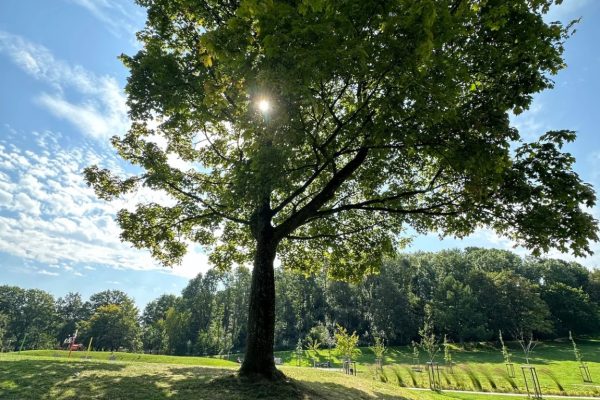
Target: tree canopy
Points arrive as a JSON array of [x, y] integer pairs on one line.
[[320, 130]]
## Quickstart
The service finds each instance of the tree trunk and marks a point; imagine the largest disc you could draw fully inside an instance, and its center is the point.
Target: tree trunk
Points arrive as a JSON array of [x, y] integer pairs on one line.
[[261, 316]]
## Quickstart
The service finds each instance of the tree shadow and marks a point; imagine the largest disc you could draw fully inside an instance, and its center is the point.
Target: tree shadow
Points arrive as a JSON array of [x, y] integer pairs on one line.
[[34, 378], [28, 379]]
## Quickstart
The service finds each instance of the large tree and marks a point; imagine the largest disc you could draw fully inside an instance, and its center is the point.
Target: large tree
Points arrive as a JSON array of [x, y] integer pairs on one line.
[[317, 131]]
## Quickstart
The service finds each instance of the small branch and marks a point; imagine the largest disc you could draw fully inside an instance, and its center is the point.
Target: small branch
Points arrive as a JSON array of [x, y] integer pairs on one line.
[[334, 235], [207, 205]]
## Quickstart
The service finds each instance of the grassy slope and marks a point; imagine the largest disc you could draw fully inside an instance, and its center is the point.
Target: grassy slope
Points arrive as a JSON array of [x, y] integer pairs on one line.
[[133, 357], [39, 377], [550, 358], [172, 379]]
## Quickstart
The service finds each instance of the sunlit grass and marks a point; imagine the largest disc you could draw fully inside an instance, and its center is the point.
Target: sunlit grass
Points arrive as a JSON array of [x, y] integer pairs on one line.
[[50, 374], [132, 357]]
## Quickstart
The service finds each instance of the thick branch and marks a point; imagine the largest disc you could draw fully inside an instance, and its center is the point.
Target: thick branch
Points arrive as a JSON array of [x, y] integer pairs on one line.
[[382, 200], [326, 194]]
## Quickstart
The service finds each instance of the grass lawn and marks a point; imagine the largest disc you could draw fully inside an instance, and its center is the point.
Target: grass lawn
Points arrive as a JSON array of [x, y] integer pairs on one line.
[[482, 367], [133, 357], [50, 375], [41, 377]]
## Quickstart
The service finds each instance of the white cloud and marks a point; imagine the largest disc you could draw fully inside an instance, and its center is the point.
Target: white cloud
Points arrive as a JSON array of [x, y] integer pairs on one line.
[[118, 19], [57, 220], [100, 111], [193, 262], [22, 202], [530, 123], [47, 273], [5, 197]]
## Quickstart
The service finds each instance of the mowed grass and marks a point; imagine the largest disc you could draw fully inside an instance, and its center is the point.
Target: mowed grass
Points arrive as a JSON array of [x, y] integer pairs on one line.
[[481, 367], [40, 377], [50, 375], [132, 357]]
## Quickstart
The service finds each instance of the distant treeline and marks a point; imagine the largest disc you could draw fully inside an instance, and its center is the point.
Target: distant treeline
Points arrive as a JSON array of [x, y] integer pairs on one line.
[[472, 294]]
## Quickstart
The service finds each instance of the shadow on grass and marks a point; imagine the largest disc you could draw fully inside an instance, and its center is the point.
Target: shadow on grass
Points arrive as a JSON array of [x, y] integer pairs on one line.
[[49, 379]]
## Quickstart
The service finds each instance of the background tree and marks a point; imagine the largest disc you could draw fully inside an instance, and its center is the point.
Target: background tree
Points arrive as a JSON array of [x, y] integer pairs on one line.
[[345, 343], [31, 317], [570, 309], [71, 310], [592, 287], [198, 299], [217, 339], [154, 327], [4, 343], [373, 116], [176, 325], [109, 297], [319, 334], [394, 304], [300, 304], [157, 309], [457, 310], [114, 326], [518, 305], [155, 337], [509, 292], [234, 297]]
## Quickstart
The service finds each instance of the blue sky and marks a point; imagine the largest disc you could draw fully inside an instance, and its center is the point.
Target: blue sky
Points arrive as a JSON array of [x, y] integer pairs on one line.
[[61, 99]]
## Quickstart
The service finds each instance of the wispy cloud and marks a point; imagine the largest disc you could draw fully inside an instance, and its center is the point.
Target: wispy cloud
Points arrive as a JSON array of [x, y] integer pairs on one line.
[[47, 273], [530, 123], [120, 17], [52, 217], [99, 112]]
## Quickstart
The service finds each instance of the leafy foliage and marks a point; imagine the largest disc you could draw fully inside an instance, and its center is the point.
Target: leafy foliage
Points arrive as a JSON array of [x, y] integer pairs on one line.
[[415, 352], [378, 347], [384, 115], [429, 342], [346, 344], [3, 325], [113, 326], [447, 352], [313, 344], [505, 352], [299, 352], [30, 318]]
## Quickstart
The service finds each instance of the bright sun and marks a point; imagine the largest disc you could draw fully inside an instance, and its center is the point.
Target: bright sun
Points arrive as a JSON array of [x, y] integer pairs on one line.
[[263, 105]]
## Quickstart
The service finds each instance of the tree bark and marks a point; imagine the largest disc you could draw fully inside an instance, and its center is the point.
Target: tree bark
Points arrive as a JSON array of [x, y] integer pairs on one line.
[[258, 360]]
